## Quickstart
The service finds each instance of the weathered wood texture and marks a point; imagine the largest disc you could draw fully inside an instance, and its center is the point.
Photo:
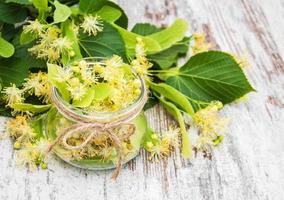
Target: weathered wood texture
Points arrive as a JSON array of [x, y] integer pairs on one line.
[[249, 163]]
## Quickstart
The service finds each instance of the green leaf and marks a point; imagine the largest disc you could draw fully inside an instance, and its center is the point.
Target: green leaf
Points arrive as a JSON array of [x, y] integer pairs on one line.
[[172, 109], [141, 125], [173, 95], [209, 76], [53, 70], [104, 44], [169, 57], [157, 41], [11, 13], [152, 101], [51, 117], [4, 110], [22, 2], [41, 5], [94, 6], [122, 21], [102, 91], [13, 71], [27, 37], [145, 29], [8, 31], [67, 29], [86, 99], [21, 51], [130, 41], [90, 6], [38, 125], [99, 91], [61, 13], [6, 48], [109, 14], [35, 109], [169, 36]]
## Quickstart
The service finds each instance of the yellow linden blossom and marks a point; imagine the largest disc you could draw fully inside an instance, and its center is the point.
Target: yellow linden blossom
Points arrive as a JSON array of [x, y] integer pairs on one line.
[[42, 146], [38, 84], [27, 157], [34, 27], [86, 73], [33, 155], [20, 130], [242, 60], [141, 64], [63, 75], [12, 95], [172, 136], [92, 25], [210, 124], [114, 61], [106, 153], [51, 45], [200, 44], [116, 82], [78, 91], [88, 77], [160, 147], [242, 99], [113, 73], [160, 150], [62, 44]]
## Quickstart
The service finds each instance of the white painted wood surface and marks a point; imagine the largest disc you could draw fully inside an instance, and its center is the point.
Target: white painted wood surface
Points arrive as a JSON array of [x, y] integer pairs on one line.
[[250, 162]]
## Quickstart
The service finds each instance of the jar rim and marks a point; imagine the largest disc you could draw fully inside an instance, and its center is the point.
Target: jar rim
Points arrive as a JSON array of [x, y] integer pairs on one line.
[[79, 114]]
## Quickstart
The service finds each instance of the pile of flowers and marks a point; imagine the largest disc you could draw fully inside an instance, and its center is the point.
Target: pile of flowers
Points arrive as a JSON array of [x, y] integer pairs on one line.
[[50, 42]]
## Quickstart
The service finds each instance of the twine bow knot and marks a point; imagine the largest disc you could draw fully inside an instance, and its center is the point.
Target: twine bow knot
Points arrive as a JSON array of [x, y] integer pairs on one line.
[[95, 131]]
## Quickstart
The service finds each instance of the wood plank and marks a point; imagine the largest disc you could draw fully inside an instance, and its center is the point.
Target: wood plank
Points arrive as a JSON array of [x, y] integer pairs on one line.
[[249, 163]]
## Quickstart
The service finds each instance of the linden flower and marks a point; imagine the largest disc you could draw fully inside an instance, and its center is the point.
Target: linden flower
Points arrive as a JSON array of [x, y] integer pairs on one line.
[[27, 157], [63, 75], [159, 151], [51, 34], [73, 82], [46, 48], [200, 44], [19, 129], [112, 74], [38, 84], [117, 98], [31, 156], [140, 48], [62, 44], [82, 65], [50, 54], [12, 95], [107, 153], [98, 69], [141, 64], [42, 146], [114, 61], [210, 124], [77, 92], [87, 74], [242, 60], [33, 27], [92, 25], [172, 136]]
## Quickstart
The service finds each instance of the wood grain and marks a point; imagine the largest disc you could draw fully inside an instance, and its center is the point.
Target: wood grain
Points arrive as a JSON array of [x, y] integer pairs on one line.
[[248, 164]]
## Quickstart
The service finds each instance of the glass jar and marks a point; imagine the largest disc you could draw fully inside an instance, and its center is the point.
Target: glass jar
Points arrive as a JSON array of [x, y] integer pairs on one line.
[[79, 136]]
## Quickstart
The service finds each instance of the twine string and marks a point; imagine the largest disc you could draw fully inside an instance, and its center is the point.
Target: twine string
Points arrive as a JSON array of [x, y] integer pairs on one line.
[[96, 128]]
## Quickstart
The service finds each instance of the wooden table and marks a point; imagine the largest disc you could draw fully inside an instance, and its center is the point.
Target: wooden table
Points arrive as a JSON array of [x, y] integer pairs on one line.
[[250, 162]]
